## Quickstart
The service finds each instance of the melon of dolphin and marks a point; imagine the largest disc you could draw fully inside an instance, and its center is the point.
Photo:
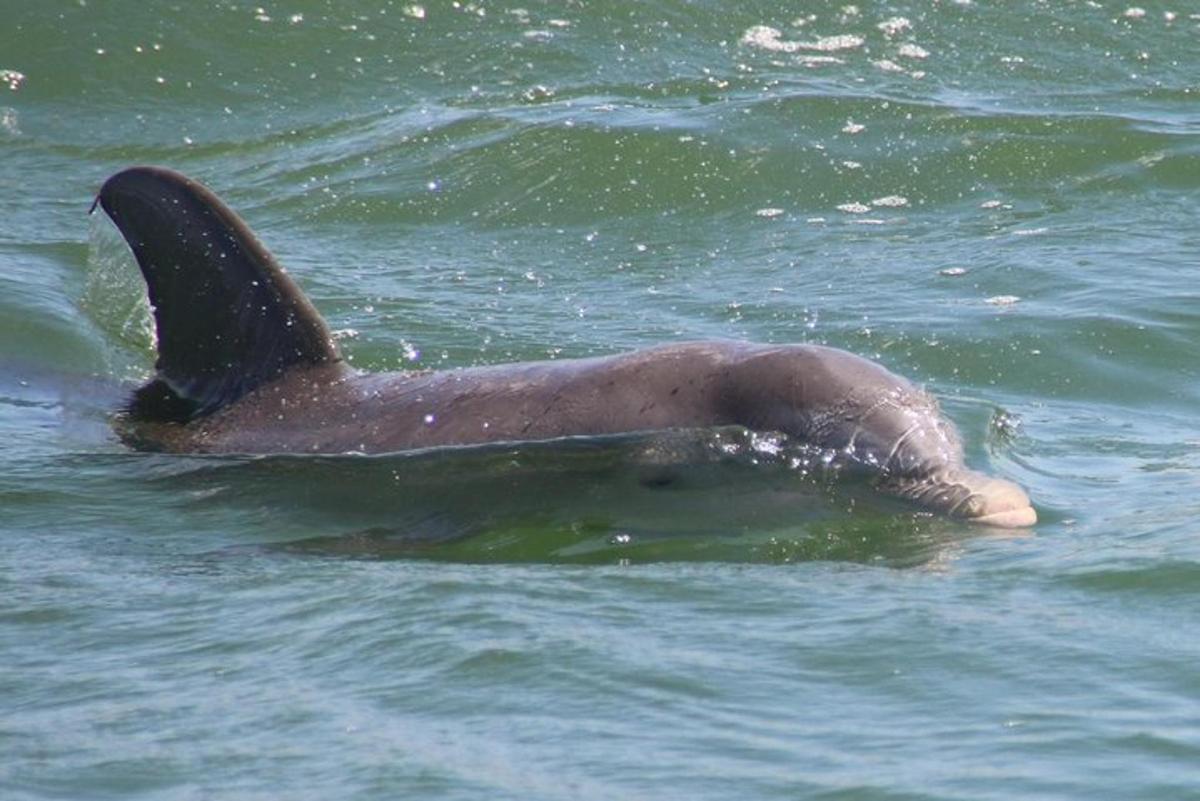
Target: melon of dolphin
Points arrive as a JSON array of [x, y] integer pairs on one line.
[[246, 365]]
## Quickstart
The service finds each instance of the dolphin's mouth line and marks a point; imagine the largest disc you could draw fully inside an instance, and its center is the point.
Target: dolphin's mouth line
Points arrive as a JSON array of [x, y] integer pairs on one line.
[[992, 501], [955, 511]]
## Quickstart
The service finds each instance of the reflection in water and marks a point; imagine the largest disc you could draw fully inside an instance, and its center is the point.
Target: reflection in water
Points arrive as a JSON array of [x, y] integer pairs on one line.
[[724, 495]]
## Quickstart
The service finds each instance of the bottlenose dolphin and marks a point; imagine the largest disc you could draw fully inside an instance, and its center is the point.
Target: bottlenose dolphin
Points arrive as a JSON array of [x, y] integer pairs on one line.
[[247, 365]]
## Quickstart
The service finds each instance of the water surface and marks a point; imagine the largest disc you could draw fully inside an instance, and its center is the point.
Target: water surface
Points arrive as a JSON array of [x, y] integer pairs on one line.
[[996, 200]]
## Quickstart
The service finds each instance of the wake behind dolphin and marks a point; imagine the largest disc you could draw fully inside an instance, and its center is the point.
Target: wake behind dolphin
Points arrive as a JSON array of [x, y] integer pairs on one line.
[[247, 365]]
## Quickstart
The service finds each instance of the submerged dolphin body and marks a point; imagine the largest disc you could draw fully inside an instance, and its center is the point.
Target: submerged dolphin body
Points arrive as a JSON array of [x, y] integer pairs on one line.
[[247, 365]]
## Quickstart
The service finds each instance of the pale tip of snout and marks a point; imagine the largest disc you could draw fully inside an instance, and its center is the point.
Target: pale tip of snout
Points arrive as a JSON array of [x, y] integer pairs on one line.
[[997, 502], [1022, 517]]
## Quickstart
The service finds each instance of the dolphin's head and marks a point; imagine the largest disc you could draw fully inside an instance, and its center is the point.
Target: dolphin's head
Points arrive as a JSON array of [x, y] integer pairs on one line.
[[920, 457]]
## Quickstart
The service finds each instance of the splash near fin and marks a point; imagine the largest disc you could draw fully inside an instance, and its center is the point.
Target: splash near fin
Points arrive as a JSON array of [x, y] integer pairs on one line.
[[228, 317]]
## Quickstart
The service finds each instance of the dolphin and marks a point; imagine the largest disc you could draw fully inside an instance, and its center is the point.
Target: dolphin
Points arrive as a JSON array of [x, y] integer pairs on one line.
[[246, 364]]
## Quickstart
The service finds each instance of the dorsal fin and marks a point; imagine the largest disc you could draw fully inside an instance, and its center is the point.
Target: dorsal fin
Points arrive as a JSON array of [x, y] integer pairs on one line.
[[228, 317]]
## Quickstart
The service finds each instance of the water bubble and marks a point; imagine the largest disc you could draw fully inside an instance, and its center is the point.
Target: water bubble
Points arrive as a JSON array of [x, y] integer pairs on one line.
[[538, 94], [767, 444], [1004, 426]]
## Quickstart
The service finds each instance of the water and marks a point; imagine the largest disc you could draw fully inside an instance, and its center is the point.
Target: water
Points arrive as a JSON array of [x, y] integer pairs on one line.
[[997, 200]]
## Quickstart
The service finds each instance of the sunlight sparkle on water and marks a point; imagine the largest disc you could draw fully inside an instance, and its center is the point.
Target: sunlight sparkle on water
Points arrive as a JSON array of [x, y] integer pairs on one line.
[[12, 79]]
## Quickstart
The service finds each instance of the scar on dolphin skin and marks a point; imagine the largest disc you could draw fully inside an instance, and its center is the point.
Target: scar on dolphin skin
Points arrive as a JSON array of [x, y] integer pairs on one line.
[[247, 365]]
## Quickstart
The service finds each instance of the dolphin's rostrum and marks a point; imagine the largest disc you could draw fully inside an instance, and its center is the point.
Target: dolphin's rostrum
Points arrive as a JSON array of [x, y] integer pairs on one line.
[[247, 365]]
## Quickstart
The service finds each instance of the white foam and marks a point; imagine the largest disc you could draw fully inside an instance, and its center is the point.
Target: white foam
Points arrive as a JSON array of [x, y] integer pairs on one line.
[[894, 26], [765, 37], [818, 61], [845, 41]]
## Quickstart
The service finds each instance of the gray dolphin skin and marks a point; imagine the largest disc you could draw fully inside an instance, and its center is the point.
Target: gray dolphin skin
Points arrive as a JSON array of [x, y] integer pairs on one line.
[[247, 365]]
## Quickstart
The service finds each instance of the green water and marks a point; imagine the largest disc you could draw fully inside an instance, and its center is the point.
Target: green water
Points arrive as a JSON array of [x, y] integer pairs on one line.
[[998, 200]]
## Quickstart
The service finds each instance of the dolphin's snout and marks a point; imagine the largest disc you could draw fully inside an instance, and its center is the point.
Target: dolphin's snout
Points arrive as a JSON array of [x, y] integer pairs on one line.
[[993, 502], [969, 495]]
